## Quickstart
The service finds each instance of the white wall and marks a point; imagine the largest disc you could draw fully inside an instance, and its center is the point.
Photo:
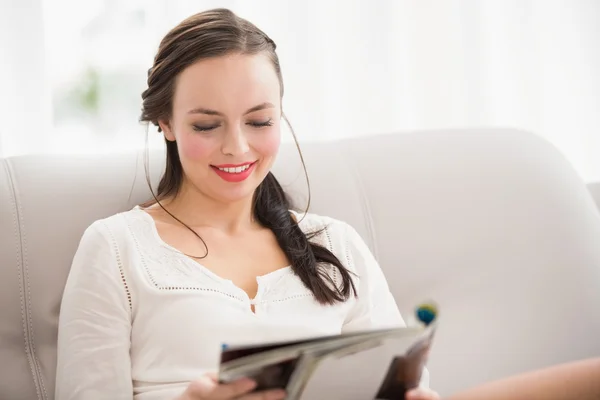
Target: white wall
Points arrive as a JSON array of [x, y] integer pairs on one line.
[[25, 106], [350, 68]]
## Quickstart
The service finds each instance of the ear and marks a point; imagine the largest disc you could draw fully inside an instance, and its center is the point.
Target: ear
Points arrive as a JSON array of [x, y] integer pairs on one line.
[[165, 126]]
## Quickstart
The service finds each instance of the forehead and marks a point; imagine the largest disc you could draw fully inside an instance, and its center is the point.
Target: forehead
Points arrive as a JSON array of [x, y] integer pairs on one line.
[[227, 84]]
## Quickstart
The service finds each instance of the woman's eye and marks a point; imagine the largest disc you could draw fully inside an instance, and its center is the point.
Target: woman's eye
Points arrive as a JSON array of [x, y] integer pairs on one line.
[[204, 128], [260, 124]]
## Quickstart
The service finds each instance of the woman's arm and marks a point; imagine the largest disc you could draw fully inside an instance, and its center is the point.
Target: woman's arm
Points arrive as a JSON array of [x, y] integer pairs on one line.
[[575, 380], [375, 305], [94, 324]]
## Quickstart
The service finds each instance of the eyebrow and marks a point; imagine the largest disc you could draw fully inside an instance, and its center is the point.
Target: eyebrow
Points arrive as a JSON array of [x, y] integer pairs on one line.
[[208, 111]]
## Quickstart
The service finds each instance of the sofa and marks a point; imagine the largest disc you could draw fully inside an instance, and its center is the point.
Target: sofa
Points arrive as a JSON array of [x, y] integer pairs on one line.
[[594, 189], [493, 224]]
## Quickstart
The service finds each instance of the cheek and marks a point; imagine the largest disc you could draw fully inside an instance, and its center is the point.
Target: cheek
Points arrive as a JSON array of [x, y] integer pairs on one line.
[[268, 145], [194, 148]]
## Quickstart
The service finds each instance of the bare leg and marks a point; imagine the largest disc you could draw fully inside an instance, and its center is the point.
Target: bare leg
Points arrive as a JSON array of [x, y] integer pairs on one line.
[[575, 380]]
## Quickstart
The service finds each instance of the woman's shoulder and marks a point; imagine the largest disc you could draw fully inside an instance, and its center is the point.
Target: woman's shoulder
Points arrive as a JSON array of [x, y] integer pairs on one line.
[[312, 222], [338, 235], [114, 226], [342, 239]]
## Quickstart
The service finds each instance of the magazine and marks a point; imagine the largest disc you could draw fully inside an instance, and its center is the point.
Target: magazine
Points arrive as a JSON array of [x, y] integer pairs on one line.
[[377, 364]]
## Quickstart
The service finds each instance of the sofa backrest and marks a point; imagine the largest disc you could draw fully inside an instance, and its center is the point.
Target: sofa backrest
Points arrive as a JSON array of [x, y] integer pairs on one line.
[[594, 189], [494, 225]]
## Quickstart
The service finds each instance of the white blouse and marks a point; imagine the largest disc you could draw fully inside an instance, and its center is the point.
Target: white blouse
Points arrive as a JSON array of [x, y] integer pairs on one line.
[[140, 320]]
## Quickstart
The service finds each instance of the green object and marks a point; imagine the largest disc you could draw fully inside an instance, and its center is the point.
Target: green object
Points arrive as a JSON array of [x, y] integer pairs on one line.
[[426, 313]]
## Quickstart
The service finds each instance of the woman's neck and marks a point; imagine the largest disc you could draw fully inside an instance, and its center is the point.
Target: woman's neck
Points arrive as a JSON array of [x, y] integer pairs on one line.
[[198, 210]]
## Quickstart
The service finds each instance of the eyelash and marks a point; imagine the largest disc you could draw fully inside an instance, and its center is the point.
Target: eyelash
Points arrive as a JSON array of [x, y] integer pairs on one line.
[[268, 122]]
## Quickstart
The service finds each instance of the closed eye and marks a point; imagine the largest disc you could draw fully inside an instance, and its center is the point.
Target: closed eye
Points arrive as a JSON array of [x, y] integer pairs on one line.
[[260, 124], [205, 128]]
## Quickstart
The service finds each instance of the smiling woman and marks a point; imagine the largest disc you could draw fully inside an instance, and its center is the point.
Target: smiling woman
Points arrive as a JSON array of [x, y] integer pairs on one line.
[[217, 255], [226, 111]]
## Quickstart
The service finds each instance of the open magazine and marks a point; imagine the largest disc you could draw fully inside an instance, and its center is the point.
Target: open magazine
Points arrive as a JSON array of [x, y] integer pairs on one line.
[[378, 364]]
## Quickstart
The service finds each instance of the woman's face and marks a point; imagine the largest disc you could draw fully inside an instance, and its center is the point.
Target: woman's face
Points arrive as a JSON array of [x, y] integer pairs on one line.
[[226, 122]]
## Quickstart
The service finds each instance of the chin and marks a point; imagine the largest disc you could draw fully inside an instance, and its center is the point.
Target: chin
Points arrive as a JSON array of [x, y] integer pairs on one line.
[[234, 194], [233, 197]]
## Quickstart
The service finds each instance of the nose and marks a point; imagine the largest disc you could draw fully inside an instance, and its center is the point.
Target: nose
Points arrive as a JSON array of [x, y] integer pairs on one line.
[[235, 142]]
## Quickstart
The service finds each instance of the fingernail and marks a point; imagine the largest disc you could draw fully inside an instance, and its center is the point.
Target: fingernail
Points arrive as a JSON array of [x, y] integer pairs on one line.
[[277, 395], [247, 383]]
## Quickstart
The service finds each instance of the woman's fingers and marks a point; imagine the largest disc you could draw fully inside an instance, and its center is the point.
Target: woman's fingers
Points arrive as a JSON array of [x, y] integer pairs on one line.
[[276, 394], [422, 394], [234, 389], [207, 388]]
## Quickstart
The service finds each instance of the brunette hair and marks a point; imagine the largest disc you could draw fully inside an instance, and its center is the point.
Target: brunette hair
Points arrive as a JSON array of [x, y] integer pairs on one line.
[[217, 33]]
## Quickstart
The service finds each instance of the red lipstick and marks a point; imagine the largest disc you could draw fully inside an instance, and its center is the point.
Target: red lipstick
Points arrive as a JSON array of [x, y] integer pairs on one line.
[[234, 172]]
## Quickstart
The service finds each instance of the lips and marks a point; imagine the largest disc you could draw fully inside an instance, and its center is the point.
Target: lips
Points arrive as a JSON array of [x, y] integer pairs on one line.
[[234, 172], [234, 169]]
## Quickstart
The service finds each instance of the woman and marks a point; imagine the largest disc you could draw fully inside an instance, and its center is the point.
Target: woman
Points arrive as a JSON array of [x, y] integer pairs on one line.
[[217, 256]]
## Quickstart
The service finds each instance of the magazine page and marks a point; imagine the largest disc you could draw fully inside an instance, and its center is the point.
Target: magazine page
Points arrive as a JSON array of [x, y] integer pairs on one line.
[[383, 372], [272, 364], [378, 364]]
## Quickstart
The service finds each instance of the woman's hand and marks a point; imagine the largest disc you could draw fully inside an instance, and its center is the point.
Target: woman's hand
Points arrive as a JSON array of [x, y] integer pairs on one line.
[[422, 394], [208, 388]]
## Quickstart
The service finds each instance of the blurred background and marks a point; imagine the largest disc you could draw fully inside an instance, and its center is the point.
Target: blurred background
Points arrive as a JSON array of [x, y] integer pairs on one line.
[[71, 72]]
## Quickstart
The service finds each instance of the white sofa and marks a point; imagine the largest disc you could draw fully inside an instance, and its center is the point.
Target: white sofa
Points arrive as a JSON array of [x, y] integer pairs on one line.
[[594, 189], [494, 225]]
